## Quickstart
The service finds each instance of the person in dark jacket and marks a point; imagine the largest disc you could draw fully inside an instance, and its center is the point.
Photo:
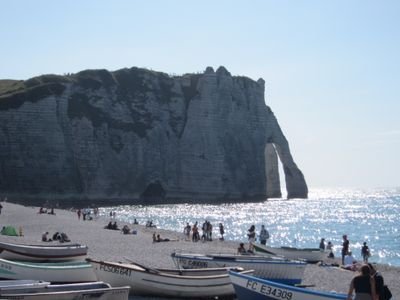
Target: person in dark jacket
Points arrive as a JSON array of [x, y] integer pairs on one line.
[[379, 282], [363, 285]]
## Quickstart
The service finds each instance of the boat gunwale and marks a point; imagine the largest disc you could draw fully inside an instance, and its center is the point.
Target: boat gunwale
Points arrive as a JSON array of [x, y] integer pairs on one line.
[[55, 293], [162, 272], [239, 260], [47, 265]]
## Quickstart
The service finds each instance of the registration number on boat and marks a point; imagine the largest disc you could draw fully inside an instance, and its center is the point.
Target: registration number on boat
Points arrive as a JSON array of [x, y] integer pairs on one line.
[[115, 269], [193, 263], [269, 290]]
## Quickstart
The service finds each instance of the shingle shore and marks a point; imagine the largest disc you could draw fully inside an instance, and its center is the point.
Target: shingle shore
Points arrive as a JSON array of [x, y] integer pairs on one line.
[[112, 245]]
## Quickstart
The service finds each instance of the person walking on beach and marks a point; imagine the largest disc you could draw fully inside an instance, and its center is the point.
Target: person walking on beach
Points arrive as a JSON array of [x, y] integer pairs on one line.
[[363, 285], [345, 247], [365, 252], [252, 237], [264, 235]]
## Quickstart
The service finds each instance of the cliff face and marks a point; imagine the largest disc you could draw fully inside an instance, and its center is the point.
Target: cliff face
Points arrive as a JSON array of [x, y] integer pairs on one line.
[[138, 134]]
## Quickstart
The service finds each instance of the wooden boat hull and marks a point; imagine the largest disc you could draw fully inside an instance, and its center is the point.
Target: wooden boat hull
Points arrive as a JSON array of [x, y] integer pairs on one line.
[[250, 287], [284, 271], [65, 252], [313, 255], [95, 290], [166, 283], [53, 272]]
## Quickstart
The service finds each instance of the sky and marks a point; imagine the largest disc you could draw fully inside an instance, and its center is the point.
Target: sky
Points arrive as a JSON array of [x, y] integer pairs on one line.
[[331, 67]]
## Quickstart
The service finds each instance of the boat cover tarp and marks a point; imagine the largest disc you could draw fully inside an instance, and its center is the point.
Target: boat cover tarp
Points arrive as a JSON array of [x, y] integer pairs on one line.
[[9, 230]]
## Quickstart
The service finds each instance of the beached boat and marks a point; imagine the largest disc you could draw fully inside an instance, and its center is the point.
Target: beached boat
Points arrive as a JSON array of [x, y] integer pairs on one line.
[[272, 268], [25, 285], [250, 287], [93, 290], [53, 272], [200, 283], [311, 255], [63, 252]]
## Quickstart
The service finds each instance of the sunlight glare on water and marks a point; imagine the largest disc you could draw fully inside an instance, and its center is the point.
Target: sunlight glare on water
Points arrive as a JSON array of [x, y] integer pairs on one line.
[[372, 216]]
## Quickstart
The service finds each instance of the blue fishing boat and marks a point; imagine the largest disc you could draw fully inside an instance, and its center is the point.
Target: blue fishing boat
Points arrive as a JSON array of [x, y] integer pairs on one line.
[[250, 287]]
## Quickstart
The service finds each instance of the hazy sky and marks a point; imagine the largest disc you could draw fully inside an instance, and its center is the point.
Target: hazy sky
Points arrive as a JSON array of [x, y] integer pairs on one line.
[[331, 67]]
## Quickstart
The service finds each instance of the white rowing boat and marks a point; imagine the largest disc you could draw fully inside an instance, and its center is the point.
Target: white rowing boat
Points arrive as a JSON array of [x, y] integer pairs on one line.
[[272, 268], [22, 284], [53, 272], [201, 283], [93, 290], [312, 255], [63, 252]]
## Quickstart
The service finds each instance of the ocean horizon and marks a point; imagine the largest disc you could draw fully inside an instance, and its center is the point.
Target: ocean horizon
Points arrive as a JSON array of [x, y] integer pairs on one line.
[[364, 215]]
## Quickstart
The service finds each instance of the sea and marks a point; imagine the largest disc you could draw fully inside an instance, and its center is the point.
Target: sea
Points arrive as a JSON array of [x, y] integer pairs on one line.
[[364, 215]]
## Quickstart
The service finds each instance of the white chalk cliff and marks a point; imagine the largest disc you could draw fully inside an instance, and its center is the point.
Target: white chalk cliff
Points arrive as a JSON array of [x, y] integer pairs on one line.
[[140, 135]]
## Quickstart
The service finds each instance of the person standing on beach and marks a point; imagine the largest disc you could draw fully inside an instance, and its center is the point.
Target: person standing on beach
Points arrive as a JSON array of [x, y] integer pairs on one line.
[[264, 235], [329, 247], [252, 237], [195, 233], [379, 283], [221, 231], [345, 247], [187, 231], [363, 285], [322, 244], [365, 252]]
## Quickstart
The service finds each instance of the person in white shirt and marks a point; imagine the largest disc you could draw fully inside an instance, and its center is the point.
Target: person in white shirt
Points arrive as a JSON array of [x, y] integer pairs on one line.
[[350, 262]]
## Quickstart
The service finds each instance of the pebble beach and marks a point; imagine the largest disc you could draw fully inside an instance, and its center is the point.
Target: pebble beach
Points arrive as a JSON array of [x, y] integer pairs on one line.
[[113, 245]]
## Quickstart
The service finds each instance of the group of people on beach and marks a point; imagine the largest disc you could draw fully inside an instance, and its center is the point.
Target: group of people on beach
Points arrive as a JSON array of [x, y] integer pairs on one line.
[[348, 260], [368, 285], [87, 213], [112, 226], [58, 236], [49, 211], [252, 237], [207, 230]]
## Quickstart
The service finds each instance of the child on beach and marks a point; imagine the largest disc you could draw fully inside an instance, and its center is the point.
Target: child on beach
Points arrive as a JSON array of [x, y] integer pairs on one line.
[[45, 238], [329, 247], [365, 252], [241, 249]]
